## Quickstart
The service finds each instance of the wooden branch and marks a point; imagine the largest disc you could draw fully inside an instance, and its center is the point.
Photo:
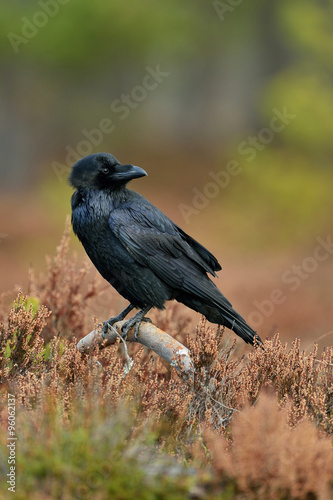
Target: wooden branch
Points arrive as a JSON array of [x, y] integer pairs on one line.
[[150, 336]]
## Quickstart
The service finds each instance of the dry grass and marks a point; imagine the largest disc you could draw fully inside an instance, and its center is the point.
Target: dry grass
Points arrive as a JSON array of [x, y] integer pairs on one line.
[[64, 289], [259, 423], [268, 459]]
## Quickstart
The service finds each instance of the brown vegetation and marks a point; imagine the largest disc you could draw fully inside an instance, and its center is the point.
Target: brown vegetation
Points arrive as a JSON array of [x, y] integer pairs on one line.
[[253, 425]]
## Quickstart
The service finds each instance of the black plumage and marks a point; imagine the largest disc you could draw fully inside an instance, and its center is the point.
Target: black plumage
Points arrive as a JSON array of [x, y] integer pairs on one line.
[[139, 250]]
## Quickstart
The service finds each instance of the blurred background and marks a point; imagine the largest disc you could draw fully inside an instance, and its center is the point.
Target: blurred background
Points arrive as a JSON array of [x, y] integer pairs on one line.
[[227, 104]]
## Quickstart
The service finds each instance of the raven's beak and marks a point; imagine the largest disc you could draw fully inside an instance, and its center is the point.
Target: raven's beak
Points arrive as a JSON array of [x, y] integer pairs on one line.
[[128, 172]]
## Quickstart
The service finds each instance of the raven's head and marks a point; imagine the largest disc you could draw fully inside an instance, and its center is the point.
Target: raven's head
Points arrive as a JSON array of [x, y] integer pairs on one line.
[[102, 171]]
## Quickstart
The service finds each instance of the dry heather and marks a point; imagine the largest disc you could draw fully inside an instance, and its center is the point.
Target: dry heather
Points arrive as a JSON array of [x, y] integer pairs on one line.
[[66, 289], [268, 459], [251, 444]]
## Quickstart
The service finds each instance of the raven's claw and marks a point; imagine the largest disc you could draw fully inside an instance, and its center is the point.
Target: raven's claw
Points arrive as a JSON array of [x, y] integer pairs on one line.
[[112, 321], [135, 321]]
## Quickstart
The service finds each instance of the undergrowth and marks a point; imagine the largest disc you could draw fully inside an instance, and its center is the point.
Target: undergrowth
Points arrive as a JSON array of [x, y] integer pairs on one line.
[[253, 423]]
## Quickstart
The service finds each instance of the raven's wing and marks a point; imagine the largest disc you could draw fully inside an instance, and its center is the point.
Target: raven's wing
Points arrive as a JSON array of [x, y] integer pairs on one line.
[[175, 258], [157, 243], [202, 251]]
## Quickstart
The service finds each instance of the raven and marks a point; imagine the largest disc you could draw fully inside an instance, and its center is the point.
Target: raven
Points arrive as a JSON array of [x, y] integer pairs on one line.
[[145, 256]]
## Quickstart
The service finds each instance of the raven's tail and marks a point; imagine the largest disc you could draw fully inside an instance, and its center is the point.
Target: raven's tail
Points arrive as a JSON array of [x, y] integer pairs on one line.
[[242, 329], [222, 313]]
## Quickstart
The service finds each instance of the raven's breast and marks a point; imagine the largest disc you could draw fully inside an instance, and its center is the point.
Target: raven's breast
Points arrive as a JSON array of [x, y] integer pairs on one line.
[[134, 281]]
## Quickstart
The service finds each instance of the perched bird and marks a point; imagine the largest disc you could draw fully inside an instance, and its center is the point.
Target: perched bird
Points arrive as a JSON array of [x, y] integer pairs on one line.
[[145, 256]]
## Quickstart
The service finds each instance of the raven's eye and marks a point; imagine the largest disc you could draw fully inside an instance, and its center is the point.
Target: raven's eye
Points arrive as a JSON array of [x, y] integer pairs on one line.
[[105, 170]]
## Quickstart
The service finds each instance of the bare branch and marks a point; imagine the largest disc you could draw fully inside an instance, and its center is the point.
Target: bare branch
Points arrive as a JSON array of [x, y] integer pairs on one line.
[[150, 336]]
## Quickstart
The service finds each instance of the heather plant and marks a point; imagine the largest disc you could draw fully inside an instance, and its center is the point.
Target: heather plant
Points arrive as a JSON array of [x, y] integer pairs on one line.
[[21, 344], [249, 424], [66, 289], [268, 459], [303, 380]]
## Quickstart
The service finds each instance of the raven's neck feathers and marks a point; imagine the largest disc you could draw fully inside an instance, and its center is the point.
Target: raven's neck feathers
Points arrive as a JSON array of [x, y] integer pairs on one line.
[[114, 197]]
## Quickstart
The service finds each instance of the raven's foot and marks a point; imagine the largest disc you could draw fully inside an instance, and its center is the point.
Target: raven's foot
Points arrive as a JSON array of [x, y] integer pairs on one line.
[[135, 321], [110, 322]]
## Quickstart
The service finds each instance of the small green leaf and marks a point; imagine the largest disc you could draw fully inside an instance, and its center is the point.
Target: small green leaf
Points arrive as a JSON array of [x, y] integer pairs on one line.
[[32, 302], [7, 350]]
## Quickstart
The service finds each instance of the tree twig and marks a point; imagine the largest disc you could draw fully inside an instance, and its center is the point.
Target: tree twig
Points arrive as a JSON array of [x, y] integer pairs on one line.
[[150, 336]]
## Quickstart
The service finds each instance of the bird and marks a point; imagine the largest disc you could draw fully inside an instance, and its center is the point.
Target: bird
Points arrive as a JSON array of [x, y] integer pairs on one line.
[[140, 251]]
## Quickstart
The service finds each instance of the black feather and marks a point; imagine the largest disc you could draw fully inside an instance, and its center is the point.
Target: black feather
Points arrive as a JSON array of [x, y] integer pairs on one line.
[[139, 250]]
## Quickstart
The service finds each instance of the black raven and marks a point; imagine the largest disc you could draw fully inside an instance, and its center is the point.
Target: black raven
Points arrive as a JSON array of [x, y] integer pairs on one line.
[[145, 256]]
